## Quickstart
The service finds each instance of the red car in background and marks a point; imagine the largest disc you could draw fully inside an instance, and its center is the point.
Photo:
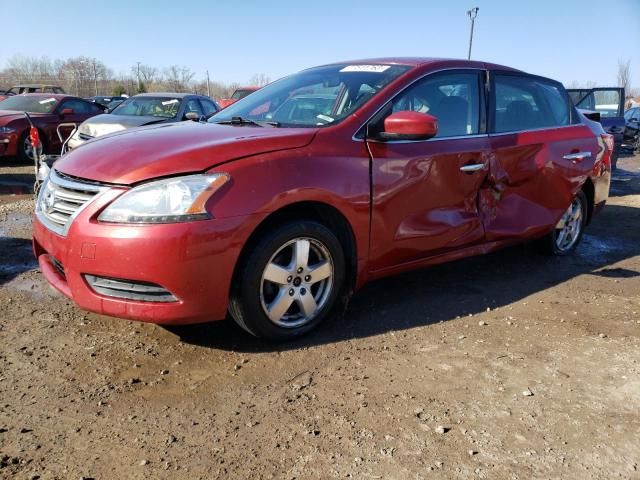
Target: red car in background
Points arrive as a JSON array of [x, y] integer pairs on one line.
[[238, 94], [293, 198], [47, 111]]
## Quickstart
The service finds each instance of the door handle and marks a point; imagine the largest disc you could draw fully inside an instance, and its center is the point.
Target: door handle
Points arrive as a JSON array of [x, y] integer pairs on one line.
[[577, 157], [474, 167]]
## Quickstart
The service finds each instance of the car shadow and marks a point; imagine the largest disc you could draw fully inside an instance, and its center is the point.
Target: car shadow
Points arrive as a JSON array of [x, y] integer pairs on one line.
[[452, 290], [16, 183], [17, 258]]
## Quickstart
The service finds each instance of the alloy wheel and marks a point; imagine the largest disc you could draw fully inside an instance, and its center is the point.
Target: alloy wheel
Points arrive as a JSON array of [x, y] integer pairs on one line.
[[29, 150], [297, 282], [569, 227]]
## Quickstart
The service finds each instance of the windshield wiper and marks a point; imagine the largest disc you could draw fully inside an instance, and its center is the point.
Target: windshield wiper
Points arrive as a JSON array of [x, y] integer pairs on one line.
[[248, 121]]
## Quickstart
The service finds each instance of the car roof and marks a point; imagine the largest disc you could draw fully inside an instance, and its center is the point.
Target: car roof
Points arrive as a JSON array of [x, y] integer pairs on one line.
[[424, 61], [35, 85], [167, 94]]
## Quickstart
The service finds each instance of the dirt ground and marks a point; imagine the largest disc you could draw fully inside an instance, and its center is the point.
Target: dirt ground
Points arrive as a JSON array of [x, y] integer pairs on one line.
[[508, 366]]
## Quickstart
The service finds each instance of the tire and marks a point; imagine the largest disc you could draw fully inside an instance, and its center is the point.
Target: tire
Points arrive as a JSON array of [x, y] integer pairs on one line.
[[23, 147], [552, 243], [269, 281]]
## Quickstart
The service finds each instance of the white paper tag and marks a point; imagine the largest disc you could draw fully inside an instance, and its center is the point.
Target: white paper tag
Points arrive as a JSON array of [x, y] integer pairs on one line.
[[365, 68], [169, 102], [48, 100]]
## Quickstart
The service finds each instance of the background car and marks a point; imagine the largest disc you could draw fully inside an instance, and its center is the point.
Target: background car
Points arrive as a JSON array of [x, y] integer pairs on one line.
[[631, 138], [31, 88], [145, 109], [609, 102], [106, 100], [238, 94], [47, 112]]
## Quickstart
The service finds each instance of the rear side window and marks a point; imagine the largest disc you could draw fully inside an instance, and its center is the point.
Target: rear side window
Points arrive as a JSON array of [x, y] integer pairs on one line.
[[526, 103]]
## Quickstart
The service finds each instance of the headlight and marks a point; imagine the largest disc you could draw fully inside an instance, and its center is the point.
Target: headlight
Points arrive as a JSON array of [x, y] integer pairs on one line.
[[178, 199], [7, 130]]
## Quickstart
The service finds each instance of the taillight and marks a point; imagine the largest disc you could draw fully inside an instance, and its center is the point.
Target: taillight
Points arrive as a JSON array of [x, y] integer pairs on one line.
[[605, 144]]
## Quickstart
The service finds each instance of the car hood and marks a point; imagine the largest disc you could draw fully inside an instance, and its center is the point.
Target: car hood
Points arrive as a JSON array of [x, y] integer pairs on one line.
[[109, 123], [172, 149], [7, 116]]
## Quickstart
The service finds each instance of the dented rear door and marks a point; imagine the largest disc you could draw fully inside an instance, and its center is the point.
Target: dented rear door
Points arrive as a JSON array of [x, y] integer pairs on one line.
[[541, 156]]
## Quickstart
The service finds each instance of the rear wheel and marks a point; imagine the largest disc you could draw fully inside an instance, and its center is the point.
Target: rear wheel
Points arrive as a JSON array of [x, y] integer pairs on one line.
[[289, 282], [567, 233]]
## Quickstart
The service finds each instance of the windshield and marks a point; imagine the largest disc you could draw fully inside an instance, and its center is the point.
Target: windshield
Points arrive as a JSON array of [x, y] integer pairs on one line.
[[316, 97], [33, 104], [165, 107]]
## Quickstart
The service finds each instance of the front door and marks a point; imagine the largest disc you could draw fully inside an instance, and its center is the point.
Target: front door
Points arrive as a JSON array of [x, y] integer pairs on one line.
[[425, 193]]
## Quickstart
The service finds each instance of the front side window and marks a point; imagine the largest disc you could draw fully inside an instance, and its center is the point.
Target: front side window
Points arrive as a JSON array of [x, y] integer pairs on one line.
[[315, 97], [453, 98], [193, 105], [208, 107], [526, 103], [78, 106], [165, 107]]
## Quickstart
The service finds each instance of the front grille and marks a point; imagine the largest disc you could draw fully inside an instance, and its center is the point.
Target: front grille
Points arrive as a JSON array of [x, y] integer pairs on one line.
[[129, 289], [85, 136], [61, 199]]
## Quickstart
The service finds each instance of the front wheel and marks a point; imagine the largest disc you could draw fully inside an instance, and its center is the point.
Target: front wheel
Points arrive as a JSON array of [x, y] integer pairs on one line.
[[289, 282], [567, 233], [26, 151]]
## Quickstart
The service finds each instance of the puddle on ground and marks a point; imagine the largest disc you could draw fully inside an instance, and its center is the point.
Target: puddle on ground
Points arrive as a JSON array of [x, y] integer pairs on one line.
[[594, 248]]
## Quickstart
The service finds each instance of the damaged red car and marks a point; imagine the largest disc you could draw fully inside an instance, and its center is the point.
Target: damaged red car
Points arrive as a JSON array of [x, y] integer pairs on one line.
[[288, 201]]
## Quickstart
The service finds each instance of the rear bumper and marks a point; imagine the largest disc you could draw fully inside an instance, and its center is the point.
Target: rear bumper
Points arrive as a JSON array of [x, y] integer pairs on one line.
[[194, 261]]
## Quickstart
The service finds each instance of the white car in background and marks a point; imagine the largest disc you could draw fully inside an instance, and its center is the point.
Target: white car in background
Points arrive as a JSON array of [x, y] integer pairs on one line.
[[145, 109]]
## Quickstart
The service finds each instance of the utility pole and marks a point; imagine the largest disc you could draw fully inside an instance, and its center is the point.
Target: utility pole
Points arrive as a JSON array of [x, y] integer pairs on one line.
[[473, 13], [95, 77], [208, 85], [138, 86]]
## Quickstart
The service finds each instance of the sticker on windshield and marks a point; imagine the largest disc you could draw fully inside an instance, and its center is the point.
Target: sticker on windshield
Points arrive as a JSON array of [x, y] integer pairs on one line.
[[326, 118], [169, 102], [48, 100], [366, 68]]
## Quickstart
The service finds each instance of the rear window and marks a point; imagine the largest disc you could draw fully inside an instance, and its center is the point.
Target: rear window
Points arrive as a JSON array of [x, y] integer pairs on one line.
[[526, 103]]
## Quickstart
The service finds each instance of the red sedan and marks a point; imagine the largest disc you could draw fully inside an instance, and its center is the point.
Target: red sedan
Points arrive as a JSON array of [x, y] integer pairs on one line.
[[47, 112], [291, 199], [238, 94]]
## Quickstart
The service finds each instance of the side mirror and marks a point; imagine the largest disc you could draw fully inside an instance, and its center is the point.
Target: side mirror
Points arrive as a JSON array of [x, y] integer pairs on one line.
[[194, 116], [408, 125], [66, 111]]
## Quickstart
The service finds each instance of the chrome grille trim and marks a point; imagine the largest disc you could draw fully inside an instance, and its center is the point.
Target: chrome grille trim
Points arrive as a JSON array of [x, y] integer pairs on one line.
[[129, 289], [61, 199]]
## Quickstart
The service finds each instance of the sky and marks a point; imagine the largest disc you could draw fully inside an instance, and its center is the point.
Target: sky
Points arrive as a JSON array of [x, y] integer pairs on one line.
[[568, 40]]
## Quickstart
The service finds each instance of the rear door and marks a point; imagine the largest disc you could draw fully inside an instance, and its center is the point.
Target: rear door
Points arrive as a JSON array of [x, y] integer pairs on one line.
[[423, 202], [542, 154]]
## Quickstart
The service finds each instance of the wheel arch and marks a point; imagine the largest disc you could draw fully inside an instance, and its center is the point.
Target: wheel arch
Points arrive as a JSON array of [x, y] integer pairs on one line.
[[589, 190], [325, 214]]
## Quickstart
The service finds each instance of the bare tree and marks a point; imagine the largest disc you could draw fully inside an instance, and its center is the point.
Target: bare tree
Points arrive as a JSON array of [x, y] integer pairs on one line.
[[178, 79], [624, 74], [260, 79]]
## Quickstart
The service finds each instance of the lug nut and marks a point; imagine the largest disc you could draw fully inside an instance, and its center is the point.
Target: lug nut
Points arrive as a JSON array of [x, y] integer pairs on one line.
[[291, 292], [300, 269], [303, 291], [289, 278], [307, 278]]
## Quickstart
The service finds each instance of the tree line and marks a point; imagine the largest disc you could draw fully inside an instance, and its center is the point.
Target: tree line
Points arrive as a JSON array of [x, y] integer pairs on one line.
[[86, 76]]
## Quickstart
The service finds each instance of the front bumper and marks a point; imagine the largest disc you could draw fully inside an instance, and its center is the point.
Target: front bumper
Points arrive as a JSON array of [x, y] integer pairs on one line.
[[194, 261]]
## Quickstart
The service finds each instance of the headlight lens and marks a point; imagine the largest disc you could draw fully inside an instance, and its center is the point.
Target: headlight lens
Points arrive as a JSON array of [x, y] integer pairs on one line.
[[6, 130], [178, 199]]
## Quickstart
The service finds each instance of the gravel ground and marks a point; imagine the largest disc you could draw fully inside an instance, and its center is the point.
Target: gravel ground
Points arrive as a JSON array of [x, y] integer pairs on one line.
[[510, 365]]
